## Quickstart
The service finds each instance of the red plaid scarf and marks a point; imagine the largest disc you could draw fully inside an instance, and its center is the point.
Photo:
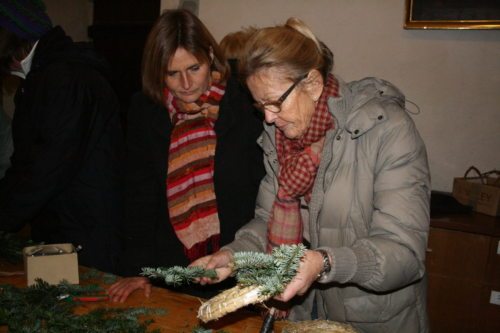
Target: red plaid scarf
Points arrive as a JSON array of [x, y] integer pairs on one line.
[[298, 167], [191, 201]]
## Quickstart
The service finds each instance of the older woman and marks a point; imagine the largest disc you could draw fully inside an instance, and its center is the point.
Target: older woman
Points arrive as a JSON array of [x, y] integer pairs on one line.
[[347, 174], [193, 165]]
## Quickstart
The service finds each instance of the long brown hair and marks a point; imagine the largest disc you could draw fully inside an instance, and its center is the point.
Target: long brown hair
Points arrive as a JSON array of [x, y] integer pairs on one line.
[[177, 29]]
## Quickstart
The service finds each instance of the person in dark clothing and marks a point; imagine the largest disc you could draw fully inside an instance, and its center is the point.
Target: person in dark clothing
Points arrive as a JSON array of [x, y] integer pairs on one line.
[[194, 165], [64, 177], [6, 145]]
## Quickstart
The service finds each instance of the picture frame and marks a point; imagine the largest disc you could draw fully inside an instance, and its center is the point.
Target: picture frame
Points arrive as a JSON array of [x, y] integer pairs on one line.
[[452, 14]]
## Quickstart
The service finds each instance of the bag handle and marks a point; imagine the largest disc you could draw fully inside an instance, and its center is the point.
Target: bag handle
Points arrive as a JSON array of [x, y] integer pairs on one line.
[[493, 172], [476, 170], [482, 176]]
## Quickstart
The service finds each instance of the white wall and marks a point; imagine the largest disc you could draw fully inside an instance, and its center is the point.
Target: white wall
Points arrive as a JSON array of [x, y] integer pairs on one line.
[[453, 75]]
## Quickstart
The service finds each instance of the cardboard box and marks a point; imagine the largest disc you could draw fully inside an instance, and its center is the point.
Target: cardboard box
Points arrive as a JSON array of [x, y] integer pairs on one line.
[[51, 263]]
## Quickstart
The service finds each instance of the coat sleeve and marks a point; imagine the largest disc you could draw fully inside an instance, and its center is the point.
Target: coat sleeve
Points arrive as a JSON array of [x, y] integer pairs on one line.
[[48, 149], [6, 145], [147, 237], [393, 253]]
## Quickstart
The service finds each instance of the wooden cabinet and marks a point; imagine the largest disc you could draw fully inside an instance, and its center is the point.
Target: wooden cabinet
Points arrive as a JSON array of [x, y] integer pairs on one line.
[[463, 269]]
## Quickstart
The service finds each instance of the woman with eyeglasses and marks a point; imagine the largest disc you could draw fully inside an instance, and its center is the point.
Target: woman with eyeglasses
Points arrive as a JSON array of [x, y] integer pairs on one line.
[[347, 175], [193, 164]]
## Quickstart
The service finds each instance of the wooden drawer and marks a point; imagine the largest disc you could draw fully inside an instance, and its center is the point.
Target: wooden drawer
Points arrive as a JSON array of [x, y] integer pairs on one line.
[[457, 254], [452, 304], [463, 268], [493, 268]]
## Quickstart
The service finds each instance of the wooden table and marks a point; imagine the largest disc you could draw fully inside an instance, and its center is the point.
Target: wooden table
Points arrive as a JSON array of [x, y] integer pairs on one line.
[[180, 309]]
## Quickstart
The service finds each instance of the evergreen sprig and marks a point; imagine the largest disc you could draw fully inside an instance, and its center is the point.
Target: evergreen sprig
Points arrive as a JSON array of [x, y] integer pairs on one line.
[[270, 271], [178, 275], [39, 309], [11, 247], [104, 320]]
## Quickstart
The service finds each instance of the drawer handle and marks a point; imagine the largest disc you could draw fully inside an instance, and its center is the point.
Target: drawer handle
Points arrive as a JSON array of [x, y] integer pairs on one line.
[[428, 250]]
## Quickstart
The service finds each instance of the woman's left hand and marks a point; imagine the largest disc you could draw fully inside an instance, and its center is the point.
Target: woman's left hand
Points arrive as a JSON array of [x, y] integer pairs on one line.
[[310, 267]]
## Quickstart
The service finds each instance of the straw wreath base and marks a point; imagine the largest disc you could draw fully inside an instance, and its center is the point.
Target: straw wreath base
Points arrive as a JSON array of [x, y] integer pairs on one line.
[[318, 326], [230, 300]]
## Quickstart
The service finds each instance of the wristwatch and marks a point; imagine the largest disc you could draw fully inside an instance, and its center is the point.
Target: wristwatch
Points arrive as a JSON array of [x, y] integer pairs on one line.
[[327, 265]]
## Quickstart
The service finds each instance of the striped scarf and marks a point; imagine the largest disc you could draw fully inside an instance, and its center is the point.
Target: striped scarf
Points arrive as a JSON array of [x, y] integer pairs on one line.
[[298, 166], [191, 201]]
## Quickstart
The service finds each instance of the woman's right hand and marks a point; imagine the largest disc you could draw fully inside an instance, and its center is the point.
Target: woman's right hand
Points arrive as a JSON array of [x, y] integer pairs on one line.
[[220, 261], [119, 291]]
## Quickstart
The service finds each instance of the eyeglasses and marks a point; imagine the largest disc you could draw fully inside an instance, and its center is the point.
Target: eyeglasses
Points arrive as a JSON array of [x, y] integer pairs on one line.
[[275, 106]]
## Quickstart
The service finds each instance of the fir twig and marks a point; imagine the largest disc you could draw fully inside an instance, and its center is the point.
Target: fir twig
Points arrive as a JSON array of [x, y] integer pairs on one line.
[[94, 274], [38, 309], [11, 247], [270, 271], [260, 276], [178, 275]]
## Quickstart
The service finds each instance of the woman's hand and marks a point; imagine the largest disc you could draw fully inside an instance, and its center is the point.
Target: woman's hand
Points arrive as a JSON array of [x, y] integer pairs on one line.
[[119, 291], [310, 267], [220, 261]]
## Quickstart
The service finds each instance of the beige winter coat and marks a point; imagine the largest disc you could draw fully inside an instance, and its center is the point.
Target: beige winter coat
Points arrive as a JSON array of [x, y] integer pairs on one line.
[[369, 210]]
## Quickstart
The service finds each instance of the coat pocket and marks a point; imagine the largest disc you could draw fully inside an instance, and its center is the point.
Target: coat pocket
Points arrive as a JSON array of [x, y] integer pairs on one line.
[[363, 306]]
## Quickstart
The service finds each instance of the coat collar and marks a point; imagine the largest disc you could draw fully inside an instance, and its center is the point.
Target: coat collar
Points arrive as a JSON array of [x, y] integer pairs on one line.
[[360, 106]]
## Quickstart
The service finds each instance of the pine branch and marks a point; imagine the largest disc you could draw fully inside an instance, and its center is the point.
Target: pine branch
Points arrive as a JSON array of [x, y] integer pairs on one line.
[[260, 276], [38, 309], [11, 247], [178, 275], [270, 271]]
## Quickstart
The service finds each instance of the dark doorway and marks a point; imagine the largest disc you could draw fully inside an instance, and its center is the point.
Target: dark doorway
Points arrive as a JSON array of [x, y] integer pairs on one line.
[[118, 32]]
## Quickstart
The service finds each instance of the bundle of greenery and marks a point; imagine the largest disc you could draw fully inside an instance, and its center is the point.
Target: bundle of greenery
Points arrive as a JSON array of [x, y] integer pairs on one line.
[[260, 276], [41, 309], [11, 247]]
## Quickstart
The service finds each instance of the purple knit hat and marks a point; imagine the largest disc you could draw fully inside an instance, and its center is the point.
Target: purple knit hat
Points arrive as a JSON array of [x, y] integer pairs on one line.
[[25, 18]]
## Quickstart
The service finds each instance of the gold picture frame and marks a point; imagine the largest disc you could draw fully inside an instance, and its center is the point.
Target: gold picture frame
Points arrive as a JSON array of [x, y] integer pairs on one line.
[[448, 14]]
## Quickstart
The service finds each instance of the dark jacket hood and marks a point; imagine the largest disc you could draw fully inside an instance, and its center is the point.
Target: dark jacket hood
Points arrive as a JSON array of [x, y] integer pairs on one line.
[[56, 47]]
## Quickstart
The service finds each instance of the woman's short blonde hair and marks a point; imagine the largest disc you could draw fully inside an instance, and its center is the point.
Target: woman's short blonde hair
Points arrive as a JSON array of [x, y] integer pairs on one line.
[[291, 48]]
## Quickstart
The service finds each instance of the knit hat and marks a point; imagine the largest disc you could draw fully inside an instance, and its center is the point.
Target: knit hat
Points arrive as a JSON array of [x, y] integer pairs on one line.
[[25, 18]]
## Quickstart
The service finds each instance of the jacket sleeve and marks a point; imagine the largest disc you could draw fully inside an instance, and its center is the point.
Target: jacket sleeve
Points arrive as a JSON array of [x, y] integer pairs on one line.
[[145, 211], [141, 181], [48, 151], [6, 145], [393, 253]]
